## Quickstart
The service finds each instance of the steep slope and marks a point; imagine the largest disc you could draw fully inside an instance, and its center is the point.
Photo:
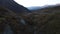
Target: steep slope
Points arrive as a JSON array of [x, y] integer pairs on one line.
[[10, 18], [12, 5]]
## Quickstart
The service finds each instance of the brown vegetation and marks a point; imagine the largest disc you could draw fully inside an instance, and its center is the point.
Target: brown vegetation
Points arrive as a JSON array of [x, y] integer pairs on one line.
[[37, 23], [8, 17], [45, 22]]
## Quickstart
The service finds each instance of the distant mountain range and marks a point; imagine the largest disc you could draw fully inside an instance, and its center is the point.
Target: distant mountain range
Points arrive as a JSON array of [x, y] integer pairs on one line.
[[47, 9], [34, 8]]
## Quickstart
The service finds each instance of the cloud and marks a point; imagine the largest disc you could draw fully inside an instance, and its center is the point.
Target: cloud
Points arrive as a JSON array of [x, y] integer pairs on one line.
[[28, 3]]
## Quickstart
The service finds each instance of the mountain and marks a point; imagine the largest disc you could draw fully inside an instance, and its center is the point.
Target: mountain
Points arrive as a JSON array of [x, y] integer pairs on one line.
[[47, 9], [12, 5], [34, 8]]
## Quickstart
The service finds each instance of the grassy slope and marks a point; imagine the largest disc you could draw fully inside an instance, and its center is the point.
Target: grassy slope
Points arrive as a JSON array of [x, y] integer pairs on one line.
[[45, 22]]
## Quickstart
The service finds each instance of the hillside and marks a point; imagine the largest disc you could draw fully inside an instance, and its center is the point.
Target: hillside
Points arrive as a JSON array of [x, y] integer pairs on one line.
[[42, 21], [45, 21], [12, 5], [11, 23]]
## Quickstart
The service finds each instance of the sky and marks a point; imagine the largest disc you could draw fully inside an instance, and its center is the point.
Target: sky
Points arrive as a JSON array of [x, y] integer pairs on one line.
[[29, 3]]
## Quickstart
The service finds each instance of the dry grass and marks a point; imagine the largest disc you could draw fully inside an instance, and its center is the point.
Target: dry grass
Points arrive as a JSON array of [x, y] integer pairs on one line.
[[37, 23], [44, 23], [8, 17]]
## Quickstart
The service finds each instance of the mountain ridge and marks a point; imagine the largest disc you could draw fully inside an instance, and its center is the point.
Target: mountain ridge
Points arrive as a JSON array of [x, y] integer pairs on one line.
[[12, 5]]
